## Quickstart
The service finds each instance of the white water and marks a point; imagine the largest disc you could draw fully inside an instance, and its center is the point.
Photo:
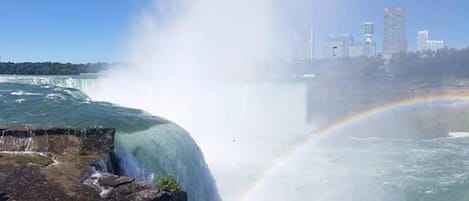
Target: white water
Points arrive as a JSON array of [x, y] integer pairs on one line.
[[458, 134], [189, 63], [241, 129]]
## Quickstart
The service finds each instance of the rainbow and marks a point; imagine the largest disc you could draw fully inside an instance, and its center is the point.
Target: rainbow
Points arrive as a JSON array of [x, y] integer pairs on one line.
[[260, 179]]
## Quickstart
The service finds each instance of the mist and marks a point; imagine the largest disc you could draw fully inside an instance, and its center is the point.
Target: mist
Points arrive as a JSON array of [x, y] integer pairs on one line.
[[199, 64]]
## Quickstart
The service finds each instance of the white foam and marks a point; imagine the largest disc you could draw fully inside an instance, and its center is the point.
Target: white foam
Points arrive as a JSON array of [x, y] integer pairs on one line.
[[93, 181], [20, 100], [458, 134], [23, 93]]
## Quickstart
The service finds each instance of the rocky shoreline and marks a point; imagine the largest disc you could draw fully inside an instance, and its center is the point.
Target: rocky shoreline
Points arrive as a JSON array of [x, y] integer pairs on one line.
[[67, 164]]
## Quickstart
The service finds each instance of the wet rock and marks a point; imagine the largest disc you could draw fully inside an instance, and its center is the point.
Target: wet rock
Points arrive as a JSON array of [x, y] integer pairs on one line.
[[3, 196], [125, 189], [114, 180]]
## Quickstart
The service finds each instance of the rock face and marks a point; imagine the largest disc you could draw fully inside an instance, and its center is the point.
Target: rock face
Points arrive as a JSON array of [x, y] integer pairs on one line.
[[122, 188], [67, 164], [57, 140]]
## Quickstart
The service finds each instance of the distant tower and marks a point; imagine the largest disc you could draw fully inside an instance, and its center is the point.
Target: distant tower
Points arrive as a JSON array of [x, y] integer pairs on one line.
[[422, 38], [304, 41], [312, 36], [369, 32], [394, 40]]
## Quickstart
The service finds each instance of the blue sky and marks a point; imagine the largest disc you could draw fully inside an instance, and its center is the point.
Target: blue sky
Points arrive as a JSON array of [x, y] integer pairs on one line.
[[95, 30], [65, 31]]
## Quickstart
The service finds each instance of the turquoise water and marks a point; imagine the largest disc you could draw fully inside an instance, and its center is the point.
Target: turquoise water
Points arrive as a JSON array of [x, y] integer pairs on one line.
[[359, 169], [343, 168], [147, 146]]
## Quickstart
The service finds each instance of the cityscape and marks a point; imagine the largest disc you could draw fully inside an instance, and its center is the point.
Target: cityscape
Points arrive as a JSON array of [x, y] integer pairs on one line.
[[344, 45]]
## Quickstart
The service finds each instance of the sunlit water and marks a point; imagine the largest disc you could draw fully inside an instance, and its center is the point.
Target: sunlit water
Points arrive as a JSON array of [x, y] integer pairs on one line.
[[330, 169]]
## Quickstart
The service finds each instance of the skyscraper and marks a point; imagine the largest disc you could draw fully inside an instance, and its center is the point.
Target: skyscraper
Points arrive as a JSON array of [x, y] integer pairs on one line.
[[394, 30], [369, 29], [369, 47], [303, 44], [422, 38]]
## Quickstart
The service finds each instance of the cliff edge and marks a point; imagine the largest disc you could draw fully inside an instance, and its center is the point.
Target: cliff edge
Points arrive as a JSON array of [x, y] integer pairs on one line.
[[67, 164]]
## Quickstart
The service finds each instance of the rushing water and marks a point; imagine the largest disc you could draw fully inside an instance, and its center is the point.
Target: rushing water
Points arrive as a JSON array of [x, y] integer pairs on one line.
[[147, 146], [331, 169], [375, 169]]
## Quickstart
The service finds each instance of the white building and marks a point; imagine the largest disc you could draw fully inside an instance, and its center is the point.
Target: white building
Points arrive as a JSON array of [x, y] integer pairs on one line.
[[424, 44], [422, 38], [338, 46], [303, 40], [435, 45]]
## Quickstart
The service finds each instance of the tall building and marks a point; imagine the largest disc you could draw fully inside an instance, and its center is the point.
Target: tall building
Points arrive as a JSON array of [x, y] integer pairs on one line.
[[369, 29], [369, 47], [304, 44], [394, 30], [422, 38], [424, 43], [338, 46]]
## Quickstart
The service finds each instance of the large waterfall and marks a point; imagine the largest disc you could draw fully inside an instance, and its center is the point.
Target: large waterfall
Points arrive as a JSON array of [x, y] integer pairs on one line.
[[146, 146]]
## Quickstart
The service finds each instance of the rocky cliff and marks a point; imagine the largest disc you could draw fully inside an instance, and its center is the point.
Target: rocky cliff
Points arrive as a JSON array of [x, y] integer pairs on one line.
[[67, 164]]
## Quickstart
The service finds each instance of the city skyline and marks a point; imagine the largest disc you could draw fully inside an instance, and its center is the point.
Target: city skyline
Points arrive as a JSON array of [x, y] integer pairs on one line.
[[91, 31]]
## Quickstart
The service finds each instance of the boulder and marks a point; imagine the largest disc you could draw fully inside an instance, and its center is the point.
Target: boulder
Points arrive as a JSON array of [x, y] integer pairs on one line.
[[109, 180]]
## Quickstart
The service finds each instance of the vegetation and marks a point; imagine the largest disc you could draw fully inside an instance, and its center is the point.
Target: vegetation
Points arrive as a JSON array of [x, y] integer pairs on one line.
[[168, 183], [50, 68], [444, 64], [77, 132]]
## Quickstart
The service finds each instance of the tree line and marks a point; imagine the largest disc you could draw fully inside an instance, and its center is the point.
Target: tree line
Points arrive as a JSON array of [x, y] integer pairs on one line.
[[50, 68], [413, 66]]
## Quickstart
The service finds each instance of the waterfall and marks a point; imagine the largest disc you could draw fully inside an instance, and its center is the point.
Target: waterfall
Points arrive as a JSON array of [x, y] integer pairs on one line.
[[146, 146], [162, 150]]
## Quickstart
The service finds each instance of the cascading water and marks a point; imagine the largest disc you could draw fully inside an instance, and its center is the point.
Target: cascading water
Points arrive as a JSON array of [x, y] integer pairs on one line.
[[146, 146]]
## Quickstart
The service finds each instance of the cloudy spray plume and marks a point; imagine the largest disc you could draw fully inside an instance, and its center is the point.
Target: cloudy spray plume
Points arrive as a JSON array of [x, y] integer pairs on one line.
[[194, 63]]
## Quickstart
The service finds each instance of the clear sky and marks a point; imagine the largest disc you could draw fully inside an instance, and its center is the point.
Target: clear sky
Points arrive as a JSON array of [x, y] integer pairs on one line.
[[64, 30], [95, 30]]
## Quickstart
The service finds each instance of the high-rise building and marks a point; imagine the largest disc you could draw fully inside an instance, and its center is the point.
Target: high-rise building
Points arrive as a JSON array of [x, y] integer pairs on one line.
[[394, 40], [304, 44], [422, 38], [424, 43], [369, 29], [338, 46], [369, 47]]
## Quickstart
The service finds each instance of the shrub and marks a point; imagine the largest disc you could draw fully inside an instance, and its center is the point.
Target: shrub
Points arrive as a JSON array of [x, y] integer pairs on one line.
[[77, 132], [168, 183]]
